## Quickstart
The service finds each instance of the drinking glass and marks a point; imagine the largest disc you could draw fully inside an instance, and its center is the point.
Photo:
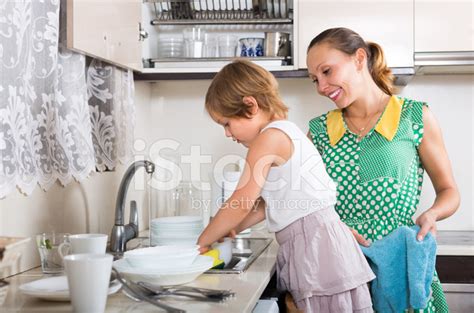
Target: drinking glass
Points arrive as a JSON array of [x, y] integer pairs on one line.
[[227, 46], [48, 246], [194, 42]]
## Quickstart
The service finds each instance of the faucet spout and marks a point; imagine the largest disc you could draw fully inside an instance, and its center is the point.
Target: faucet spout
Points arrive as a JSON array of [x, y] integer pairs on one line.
[[122, 233]]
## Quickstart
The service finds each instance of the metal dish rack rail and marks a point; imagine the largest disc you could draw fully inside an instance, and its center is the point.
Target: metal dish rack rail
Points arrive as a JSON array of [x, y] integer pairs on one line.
[[182, 12]]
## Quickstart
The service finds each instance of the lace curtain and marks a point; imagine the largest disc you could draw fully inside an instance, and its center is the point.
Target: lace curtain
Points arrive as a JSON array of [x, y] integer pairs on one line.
[[62, 116]]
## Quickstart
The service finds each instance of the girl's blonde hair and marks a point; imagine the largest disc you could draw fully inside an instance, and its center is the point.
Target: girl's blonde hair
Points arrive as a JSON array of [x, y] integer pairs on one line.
[[348, 41], [241, 79]]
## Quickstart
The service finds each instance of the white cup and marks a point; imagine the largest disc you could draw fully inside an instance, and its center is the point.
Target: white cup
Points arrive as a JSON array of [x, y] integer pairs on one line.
[[225, 250], [88, 278], [84, 243]]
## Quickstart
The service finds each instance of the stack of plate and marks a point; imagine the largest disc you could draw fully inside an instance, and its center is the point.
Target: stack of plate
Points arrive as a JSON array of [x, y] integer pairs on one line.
[[175, 230]]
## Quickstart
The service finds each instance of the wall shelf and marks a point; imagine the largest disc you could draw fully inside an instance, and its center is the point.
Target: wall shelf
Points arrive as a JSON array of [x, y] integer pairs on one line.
[[190, 76]]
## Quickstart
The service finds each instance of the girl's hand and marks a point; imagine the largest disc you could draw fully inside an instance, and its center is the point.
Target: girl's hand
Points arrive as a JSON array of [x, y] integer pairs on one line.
[[231, 234], [427, 223], [203, 249], [360, 239]]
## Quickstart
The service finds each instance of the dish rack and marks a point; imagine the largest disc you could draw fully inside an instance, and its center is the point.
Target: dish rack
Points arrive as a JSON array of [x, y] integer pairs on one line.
[[178, 12]]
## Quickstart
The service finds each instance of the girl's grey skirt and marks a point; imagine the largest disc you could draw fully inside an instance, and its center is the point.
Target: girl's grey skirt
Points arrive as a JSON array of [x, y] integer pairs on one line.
[[320, 263]]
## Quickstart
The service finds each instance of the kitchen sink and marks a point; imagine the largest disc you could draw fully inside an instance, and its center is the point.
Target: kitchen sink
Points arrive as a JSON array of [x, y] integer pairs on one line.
[[244, 252]]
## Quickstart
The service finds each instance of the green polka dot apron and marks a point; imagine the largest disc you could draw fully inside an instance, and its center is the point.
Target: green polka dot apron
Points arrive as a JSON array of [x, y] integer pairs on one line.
[[379, 176]]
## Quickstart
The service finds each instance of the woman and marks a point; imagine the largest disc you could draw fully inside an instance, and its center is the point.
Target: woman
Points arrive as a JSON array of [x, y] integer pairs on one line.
[[375, 145]]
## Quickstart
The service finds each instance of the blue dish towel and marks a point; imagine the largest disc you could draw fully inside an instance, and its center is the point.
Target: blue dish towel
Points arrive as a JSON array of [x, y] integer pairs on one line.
[[404, 268]]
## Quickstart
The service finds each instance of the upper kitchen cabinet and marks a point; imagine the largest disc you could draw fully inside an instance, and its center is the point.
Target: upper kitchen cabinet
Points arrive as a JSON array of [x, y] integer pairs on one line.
[[444, 25], [444, 36], [388, 23], [106, 29], [183, 36]]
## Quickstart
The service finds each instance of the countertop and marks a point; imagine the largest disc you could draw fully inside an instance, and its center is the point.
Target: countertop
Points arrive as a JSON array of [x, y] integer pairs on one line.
[[458, 243], [248, 286]]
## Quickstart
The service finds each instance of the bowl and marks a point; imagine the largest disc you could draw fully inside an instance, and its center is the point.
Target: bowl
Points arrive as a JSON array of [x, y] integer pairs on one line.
[[165, 277], [170, 47], [251, 47], [170, 256]]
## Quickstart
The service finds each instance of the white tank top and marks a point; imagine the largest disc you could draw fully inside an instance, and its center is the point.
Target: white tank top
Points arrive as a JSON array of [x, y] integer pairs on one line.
[[298, 187]]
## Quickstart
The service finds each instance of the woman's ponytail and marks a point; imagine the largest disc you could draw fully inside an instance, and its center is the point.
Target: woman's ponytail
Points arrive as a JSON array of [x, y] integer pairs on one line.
[[381, 74]]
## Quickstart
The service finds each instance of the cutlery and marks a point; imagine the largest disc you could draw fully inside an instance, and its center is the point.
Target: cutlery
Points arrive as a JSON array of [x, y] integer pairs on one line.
[[162, 292], [205, 291], [137, 292], [210, 293]]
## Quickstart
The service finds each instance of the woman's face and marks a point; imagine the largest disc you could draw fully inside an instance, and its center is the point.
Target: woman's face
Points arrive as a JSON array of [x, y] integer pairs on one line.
[[335, 74]]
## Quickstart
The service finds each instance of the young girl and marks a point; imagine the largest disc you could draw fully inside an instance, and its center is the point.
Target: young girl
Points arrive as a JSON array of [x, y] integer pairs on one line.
[[285, 182]]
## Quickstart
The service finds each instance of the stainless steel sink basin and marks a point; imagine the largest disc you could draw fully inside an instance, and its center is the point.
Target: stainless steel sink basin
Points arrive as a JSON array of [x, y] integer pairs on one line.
[[244, 252]]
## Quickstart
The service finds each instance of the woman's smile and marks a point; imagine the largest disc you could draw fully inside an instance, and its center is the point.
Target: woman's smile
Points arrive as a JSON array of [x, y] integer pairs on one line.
[[335, 94]]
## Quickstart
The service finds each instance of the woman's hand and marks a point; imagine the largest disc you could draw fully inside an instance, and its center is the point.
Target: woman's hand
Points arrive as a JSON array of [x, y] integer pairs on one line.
[[427, 223], [360, 239]]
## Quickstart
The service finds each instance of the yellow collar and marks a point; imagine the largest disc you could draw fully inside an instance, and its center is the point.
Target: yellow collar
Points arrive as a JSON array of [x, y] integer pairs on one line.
[[387, 125]]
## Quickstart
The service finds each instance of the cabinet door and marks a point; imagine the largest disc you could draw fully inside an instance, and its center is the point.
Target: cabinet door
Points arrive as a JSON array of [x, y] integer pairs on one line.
[[106, 29], [444, 25], [388, 23]]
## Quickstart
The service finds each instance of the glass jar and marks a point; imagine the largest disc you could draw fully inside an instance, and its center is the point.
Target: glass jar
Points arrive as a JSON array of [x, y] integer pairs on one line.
[[187, 198]]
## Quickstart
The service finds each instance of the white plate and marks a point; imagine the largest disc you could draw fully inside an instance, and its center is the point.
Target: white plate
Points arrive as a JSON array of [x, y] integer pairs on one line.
[[270, 8], [165, 277], [177, 226], [177, 220], [173, 241], [55, 288], [175, 234], [283, 9], [200, 261], [276, 8], [162, 251], [162, 256]]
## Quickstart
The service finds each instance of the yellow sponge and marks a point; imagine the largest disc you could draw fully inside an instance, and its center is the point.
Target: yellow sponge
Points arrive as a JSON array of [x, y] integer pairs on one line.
[[218, 263]]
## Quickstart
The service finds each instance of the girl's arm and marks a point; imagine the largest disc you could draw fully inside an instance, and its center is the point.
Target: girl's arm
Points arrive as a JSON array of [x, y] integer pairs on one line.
[[436, 162], [270, 147], [254, 217]]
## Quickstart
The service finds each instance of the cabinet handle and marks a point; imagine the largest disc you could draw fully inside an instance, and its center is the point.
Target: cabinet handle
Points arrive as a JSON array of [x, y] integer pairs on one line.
[[143, 34]]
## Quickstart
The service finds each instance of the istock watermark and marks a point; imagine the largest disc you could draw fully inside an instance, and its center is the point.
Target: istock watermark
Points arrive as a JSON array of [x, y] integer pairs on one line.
[[169, 173]]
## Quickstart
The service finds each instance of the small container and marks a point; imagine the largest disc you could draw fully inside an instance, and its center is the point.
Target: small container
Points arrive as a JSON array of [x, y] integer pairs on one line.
[[277, 44], [251, 47], [225, 250]]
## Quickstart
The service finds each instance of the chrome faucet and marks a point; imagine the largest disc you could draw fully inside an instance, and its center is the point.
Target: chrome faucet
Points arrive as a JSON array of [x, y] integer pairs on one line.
[[121, 233]]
